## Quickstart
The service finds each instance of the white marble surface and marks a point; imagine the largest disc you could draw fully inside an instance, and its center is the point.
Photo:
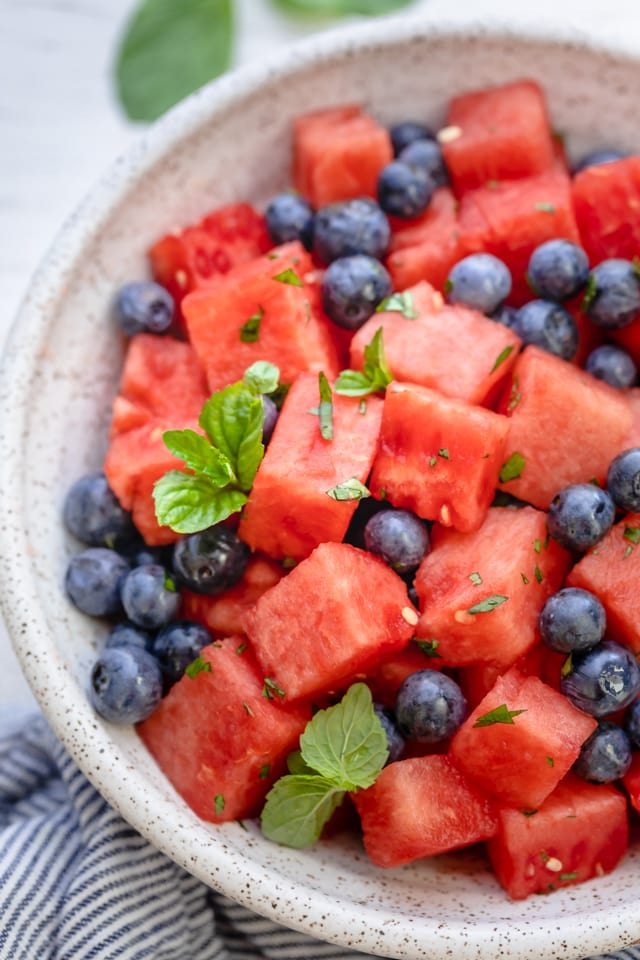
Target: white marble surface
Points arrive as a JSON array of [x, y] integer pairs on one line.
[[60, 126]]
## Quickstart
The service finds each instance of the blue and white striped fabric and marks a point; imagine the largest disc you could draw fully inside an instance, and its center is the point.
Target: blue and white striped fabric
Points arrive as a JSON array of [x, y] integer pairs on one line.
[[78, 883]]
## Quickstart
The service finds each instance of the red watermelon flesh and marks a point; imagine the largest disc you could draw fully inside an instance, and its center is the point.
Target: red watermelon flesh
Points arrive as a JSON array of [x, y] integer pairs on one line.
[[270, 292], [509, 556], [420, 807], [333, 617], [631, 781], [500, 133], [545, 391], [521, 762], [289, 510], [389, 675], [580, 831], [450, 348], [611, 570], [338, 154], [606, 201], [219, 740], [511, 218], [438, 457]]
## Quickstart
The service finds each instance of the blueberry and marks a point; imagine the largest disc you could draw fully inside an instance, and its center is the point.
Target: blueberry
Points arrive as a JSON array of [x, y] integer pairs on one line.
[[602, 680], [613, 365], [402, 134], [404, 191], [351, 226], [177, 645], [505, 314], [149, 596], [612, 299], [480, 280], [597, 157], [270, 416], [395, 740], [558, 270], [126, 685], [605, 755], [399, 537], [623, 480], [632, 724], [128, 634], [210, 562], [352, 288], [138, 553], [93, 514], [579, 516], [93, 581], [290, 217], [144, 307], [572, 619], [427, 155], [549, 326], [429, 707]]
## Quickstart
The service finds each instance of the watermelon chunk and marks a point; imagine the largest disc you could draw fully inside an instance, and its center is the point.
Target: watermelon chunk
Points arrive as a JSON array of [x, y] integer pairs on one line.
[[509, 556], [289, 512], [394, 670], [510, 218], [426, 248], [452, 349], [521, 762], [606, 201], [542, 389], [504, 133], [270, 295], [612, 570], [631, 781], [420, 807], [438, 457], [330, 619], [580, 831], [219, 740], [338, 154]]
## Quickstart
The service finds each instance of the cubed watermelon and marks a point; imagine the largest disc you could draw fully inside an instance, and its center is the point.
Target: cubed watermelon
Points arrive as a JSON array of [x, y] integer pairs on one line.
[[333, 617], [426, 248], [580, 831], [420, 807], [289, 510], [221, 742], [543, 389], [521, 756], [631, 781], [611, 570], [438, 457], [260, 311], [509, 557], [606, 200], [338, 154], [499, 133], [450, 348]]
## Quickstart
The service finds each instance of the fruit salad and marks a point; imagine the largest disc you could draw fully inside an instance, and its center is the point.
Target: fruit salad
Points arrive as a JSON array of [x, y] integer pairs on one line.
[[367, 530]]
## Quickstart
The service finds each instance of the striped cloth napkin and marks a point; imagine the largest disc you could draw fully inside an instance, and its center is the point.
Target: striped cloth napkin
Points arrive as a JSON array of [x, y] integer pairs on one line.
[[78, 883]]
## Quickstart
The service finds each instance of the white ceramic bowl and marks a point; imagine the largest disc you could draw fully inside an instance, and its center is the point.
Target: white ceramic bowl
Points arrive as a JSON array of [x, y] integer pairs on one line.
[[232, 142]]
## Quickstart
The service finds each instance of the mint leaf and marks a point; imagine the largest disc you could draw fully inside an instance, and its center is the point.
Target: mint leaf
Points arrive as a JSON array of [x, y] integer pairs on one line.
[[399, 303], [349, 490], [475, 578], [632, 534], [375, 362], [262, 377], [218, 804], [545, 207], [325, 410], [232, 419], [198, 455], [169, 50], [289, 276], [199, 665], [429, 648], [512, 468], [351, 383], [295, 764], [500, 359], [346, 743], [189, 503], [488, 604], [297, 808], [500, 714], [250, 329]]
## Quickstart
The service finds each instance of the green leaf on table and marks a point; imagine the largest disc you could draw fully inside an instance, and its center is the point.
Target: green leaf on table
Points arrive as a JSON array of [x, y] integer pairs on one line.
[[169, 49], [189, 503], [232, 419], [297, 808], [199, 455], [340, 8]]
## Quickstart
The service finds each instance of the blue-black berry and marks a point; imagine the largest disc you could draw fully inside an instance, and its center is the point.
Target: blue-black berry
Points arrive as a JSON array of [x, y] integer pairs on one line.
[[602, 680], [351, 226], [404, 191], [480, 280], [597, 157], [605, 755], [93, 514], [128, 634], [290, 217], [623, 480], [93, 580], [399, 537], [126, 685], [613, 365], [572, 619], [177, 645], [352, 288], [395, 740], [612, 298], [149, 596], [406, 132], [558, 270], [211, 561], [144, 307], [579, 516], [427, 155], [429, 707], [549, 326]]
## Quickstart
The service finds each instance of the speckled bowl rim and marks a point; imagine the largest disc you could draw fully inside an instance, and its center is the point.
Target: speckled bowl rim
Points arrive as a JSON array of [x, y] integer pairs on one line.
[[303, 909]]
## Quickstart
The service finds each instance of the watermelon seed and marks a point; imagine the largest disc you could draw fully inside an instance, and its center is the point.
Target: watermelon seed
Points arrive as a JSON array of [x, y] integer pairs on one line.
[[449, 134], [409, 615], [554, 864]]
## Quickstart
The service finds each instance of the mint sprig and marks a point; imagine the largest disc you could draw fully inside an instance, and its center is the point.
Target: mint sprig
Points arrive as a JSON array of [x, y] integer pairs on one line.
[[375, 375], [223, 463], [342, 749]]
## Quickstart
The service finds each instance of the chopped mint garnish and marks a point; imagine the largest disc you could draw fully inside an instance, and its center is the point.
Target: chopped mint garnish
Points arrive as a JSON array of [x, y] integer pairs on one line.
[[429, 648], [433, 461], [375, 376], [512, 468], [590, 292], [241, 649], [444, 453], [514, 396], [399, 303], [537, 572], [500, 359], [199, 665], [351, 489], [550, 761], [475, 579], [271, 689], [500, 714], [488, 604], [537, 546], [546, 207], [218, 804], [289, 276], [632, 534], [250, 329], [325, 410], [525, 579], [264, 771], [262, 377]]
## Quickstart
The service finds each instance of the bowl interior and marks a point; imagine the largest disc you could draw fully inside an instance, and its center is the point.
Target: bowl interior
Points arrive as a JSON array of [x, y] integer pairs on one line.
[[232, 142]]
